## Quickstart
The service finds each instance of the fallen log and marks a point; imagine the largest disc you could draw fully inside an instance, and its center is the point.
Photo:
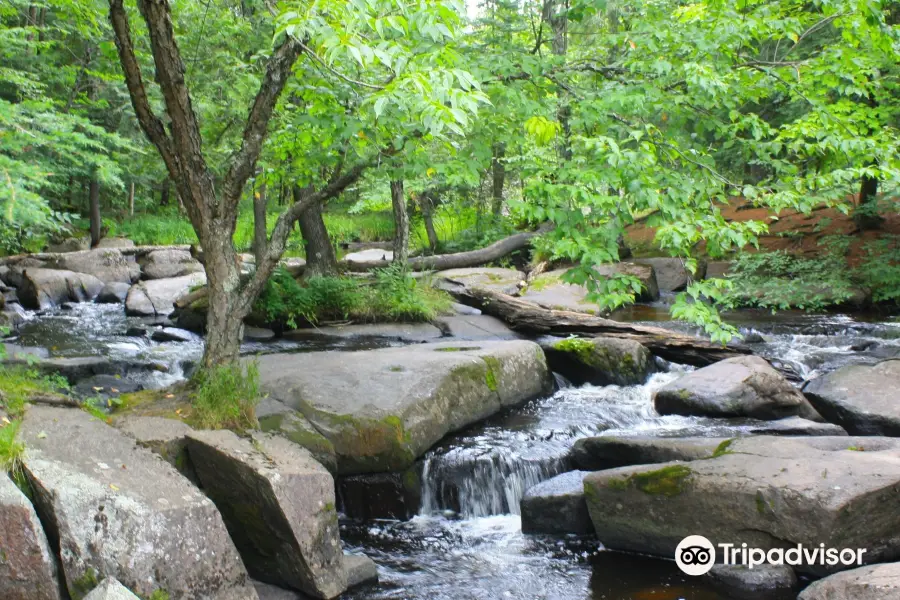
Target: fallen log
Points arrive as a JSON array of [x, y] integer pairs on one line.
[[530, 318]]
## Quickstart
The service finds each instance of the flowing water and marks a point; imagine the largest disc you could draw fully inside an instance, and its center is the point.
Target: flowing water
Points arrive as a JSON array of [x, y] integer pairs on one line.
[[466, 543]]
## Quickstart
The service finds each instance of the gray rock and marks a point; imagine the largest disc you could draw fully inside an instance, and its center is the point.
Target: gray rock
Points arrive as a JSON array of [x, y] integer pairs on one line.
[[115, 242], [557, 506], [875, 582], [274, 417], [46, 288], [412, 333], [166, 438], [505, 281], [113, 292], [158, 296], [268, 591], [111, 499], [136, 332], [860, 398], [258, 334], [111, 589], [768, 492], [13, 316], [609, 452], [796, 426], [28, 569], [599, 360], [384, 408], [549, 291], [360, 570], [172, 334], [717, 269], [71, 245], [670, 272], [369, 255], [107, 265], [746, 386], [290, 537], [762, 582], [475, 328], [168, 264]]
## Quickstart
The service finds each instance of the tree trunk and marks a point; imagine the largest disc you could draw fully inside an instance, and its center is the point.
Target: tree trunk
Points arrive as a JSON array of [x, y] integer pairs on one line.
[[94, 198], [164, 193], [131, 199], [225, 316], [320, 258], [559, 23], [428, 218], [401, 223], [260, 235], [498, 168], [866, 214]]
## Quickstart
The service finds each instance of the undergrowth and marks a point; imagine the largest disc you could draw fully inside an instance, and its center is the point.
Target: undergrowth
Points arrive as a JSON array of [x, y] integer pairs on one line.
[[225, 397]]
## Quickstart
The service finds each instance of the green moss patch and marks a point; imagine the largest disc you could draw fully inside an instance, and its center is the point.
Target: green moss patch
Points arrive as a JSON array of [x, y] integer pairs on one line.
[[667, 481]]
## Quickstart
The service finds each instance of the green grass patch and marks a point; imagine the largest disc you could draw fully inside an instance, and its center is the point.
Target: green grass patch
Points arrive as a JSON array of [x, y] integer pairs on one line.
[[11, 450], [19, 383], [225, 397]]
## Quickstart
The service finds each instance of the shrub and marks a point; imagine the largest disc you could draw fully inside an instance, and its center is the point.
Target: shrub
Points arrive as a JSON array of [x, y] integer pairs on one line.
[[225, 397]]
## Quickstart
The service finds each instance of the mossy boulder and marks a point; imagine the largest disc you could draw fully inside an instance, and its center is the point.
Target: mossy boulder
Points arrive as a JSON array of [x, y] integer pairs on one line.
[[274, 417], [382, 409], [599, 360]]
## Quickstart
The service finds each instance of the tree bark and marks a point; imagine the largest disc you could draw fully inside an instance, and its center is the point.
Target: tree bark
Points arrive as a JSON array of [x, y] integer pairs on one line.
[[131, 199], [320, 258], [401, 223], [498, 169], [94, 198], [533, 319], [866, 214], [260, 234]]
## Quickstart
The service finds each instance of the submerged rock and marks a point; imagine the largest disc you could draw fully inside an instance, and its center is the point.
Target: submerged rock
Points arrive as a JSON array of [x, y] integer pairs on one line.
[[600, 360], [557, 506], [111, 589], [609, 452], [278, 503], [875, 582], [861, 398], [767, 492], [28, 569], [381, 409], [169, 263], [745, 386], [107, 499], [158, 296], [43, 289]]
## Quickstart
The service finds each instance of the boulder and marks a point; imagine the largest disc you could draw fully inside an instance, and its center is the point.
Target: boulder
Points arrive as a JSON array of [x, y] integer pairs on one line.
[[875, 582], [609, 452], [28, 569], [43, 289], [745, 386], [166, 438], [717, 269], [78, 244], [762, 582], [360, 570], [13, 316], [475, 328], [600, 360], [369, 255], [169, 263], [557, 506], [796, 426], [107, 265], [549, 290], [278, 503], [410, 333], [108, 499], [274, 417], [505, 281], [381, 409], [115, 242], [860, 398], [671, 275], [768, 492], [113, 292], [111, 589], [172, 334], [158, 296]]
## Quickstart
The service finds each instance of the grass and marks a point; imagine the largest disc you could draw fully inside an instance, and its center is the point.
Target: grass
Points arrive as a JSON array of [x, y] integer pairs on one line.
[[225, 397], [18, 383], [11, 450]]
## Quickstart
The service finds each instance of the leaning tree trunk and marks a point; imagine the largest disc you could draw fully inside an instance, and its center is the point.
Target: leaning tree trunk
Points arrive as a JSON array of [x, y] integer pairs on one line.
[[320, 258], [94, 195], [401, 223]]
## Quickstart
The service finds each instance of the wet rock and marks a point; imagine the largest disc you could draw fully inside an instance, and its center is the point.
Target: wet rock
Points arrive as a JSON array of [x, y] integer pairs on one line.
[[475, 328], [369, 255], [136, 332], [671, 275], [172, 334], [557, 506], [158, 296], [599, 360], [768, 492], [113, 292], [78, 244], [549, 290], [111, 499], [875, 582], [381, 409], [168, 264], [111, 589], [107, 265], [381, 495], [609, 452], [13, 316], [860, 398], [77, 368], [746, 386], [115, 242], [258, 334], [505, 281], [411, 333], [290, 537], [796, 426], [106, 386], [274, 417], [360, 570], [28, 569], [43, 289], [68, 306], [762, 582]]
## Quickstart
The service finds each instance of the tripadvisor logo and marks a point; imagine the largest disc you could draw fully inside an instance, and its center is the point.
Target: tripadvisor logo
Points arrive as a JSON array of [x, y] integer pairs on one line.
[[696, 555]]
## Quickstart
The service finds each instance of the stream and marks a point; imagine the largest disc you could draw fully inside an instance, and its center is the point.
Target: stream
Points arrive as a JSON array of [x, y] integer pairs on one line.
[[466, 542]]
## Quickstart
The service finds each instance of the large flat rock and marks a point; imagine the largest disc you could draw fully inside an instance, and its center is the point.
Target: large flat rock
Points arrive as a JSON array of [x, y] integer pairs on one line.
[[875, 582], [381, 409], [768, 492], [475, 328], [120, 511], [549, 290], [411, 333], [278, 503], [28, 568], [611, 452], [158, 296], [863, 399], [495, 279]]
